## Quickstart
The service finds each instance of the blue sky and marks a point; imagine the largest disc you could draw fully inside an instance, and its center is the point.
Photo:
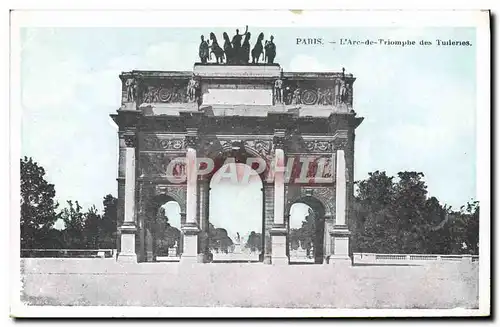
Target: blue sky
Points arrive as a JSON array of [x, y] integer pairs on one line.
[[419, 103]]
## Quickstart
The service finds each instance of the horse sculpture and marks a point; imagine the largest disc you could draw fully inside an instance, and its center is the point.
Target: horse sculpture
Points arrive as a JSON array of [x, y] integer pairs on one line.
[[228, 49], [258, 49], [216, 49]]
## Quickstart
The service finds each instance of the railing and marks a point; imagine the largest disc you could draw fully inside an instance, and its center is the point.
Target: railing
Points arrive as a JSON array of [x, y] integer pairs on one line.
[[68, 253], [412, 258]]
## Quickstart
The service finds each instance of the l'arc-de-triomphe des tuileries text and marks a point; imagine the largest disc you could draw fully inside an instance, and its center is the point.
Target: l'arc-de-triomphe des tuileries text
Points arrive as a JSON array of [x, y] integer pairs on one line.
[[235, 110]]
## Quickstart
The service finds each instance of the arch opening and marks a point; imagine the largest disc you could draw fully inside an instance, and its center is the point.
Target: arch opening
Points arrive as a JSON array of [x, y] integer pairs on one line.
[[306, 231], [163, 236], [235, 214]]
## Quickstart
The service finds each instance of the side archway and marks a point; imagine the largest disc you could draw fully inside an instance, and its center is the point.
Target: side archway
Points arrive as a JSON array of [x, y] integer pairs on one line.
[[306, 225], [163, 237]]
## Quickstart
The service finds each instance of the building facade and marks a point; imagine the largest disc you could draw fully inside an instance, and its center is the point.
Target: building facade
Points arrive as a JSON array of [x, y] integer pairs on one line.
[[274, 121]]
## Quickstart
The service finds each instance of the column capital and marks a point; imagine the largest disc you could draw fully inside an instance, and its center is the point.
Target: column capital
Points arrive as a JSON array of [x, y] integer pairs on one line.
[[279, 138], [340, 143], [130, 140], [192, 137], [190, 228]]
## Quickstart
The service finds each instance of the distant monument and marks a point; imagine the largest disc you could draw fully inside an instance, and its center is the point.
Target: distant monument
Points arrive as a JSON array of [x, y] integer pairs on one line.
[[237, 244]]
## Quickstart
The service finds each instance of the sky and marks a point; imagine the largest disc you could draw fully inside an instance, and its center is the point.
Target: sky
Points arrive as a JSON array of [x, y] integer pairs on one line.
[[419, 103]]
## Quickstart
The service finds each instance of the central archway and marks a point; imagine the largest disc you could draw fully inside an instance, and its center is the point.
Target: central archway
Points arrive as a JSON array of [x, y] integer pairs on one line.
[[235, 214]]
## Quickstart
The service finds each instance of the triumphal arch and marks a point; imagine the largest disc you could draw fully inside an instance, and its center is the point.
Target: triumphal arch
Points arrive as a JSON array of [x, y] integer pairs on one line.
[[295, 129]]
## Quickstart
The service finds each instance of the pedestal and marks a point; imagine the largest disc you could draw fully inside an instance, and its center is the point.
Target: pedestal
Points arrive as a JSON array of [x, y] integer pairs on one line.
[[340, 240], [237, 248], [127, 245], [278, 239], [190, 252]]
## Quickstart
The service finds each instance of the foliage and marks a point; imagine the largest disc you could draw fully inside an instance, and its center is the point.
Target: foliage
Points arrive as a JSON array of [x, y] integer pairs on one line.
[[254, 242], [38, 208], [166, 236], [396, 216], [305, 235], [219, 240], [74, 222]]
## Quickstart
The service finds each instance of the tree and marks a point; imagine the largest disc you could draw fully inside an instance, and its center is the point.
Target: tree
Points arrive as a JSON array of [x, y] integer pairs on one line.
[[468, 220], [219, 240], [108, 223], [91, 228], [397, 217], [254, 242], [375, 227], [38, 208], [74, 220]]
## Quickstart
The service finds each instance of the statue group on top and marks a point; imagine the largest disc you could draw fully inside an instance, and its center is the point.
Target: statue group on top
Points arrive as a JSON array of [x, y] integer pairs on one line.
[[235, 51]]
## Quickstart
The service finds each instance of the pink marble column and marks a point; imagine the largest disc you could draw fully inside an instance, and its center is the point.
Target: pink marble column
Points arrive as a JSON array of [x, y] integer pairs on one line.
[[279, 230], [128, 229], [340, 233], [190, 228]]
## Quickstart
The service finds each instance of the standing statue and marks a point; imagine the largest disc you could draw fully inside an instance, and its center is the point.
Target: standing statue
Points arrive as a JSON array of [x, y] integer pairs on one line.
[[258, 49], [237, 43], [228, 49], [321, 96], [192, 88], [238, 239], [296, 96], [203, 51], [245, 49], [329, 96], [131, 86], [270, 48], [287, 95], [216, 49], [278, 91], [343, 90]]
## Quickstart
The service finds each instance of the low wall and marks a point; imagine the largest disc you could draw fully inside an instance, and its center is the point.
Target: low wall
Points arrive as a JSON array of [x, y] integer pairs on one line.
[[412, 259], [68, 253]]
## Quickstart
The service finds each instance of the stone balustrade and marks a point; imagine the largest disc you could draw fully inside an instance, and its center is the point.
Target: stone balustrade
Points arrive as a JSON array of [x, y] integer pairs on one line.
[[385, 258], [68, 253]]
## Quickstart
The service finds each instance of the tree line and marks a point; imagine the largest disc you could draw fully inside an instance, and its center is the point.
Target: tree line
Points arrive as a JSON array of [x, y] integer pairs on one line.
[[39, 213], [396, 215]]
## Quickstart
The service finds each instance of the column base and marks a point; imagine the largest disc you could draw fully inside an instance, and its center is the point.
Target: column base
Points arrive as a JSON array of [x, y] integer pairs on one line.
[[127, 244], [189, 260], [127, 258], [190, 251], [278, 245], [280, 261], [340, 261]]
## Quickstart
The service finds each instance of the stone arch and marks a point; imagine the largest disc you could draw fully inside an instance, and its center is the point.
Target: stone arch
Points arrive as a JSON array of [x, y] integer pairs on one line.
[[312, 201], [161, 197], [175, 193], [320, 211], [249, 226]]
